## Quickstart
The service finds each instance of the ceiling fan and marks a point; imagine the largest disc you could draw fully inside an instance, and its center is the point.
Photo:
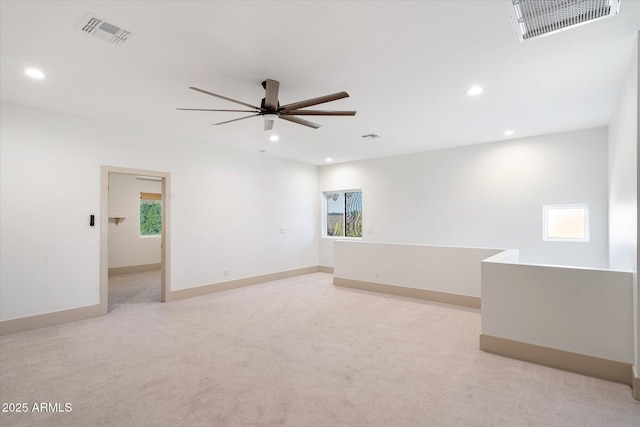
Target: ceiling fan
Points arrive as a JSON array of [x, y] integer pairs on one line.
[[270, 108]]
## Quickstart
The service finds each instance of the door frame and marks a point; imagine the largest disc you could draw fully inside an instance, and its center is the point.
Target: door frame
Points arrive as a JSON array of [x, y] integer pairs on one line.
[[165, 285]]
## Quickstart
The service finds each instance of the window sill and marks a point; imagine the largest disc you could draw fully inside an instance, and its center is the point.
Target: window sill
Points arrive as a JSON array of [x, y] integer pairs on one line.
[[341, 238]]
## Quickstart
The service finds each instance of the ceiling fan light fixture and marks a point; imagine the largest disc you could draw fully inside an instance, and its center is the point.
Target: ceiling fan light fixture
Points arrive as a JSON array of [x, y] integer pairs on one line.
[[270, 116]]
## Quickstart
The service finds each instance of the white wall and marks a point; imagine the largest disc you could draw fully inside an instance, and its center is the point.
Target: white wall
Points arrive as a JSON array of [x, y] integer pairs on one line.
[[623, 146], [623, 183], [126, 246], [227, 208], [488, 195]]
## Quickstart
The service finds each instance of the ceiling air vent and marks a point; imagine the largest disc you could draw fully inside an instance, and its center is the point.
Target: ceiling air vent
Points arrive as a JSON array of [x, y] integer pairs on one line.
[[532, 19], [104, 30]]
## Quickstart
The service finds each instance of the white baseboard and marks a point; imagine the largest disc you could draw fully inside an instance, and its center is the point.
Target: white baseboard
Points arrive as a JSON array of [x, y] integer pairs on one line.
[[606, 369], [233, 284], [425, 294], [134, 268], [50, 319], [325, 269]]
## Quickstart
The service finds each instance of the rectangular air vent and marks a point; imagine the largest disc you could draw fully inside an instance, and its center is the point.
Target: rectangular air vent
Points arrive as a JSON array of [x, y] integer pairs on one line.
[[104, 30], [537, 18]]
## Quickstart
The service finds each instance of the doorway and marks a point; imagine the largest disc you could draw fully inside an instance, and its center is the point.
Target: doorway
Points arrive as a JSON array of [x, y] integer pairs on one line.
[[109, 214]]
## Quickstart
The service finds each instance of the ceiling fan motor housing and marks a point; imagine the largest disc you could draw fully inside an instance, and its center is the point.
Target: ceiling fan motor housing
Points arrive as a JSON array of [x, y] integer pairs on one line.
[[265, 110]]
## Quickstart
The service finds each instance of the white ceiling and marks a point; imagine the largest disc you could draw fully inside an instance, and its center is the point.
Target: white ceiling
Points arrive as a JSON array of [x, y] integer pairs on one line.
[[407, 66]]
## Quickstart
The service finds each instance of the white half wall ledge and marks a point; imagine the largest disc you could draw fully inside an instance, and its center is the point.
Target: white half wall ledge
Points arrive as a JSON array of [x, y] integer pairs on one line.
[[447, 270], [573, 318], [578, 310]]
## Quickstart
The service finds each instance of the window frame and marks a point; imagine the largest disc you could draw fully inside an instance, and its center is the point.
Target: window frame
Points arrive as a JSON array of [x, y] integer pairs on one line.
[[323, 221], [545, 223]]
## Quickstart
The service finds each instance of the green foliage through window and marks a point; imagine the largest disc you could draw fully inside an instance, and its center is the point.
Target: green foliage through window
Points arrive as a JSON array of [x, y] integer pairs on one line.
[[150, 217]]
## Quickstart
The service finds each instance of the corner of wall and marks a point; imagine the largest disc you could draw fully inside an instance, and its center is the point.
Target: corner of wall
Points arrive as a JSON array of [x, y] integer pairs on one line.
[[635, 383]]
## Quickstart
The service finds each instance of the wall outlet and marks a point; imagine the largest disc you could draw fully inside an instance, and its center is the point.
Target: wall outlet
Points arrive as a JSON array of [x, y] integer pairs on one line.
[[225, 273], [282, 230]]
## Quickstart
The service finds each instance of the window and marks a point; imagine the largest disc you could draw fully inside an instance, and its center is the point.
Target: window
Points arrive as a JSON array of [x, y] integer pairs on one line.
[[343, 213], [567, 223], [150, 214]]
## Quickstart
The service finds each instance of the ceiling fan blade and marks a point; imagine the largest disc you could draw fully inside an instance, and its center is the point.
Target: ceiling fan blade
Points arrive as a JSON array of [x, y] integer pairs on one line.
[[235, 120], [271, 97], [314, 101], [207, 109], [268, 124], [300, 121], [319, 113], [224, 97]]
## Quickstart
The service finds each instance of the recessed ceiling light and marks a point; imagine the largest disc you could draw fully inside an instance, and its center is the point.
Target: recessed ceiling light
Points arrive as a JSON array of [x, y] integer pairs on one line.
[[328, 159], [474, 91], [34, 73], [508, 132], [273, 138]]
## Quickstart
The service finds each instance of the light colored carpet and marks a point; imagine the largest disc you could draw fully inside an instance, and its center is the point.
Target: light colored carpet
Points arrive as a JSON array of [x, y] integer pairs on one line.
[[294, 352]]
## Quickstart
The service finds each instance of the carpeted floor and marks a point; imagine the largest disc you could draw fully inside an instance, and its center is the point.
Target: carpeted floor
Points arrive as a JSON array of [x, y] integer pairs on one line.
[[293, 352]]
